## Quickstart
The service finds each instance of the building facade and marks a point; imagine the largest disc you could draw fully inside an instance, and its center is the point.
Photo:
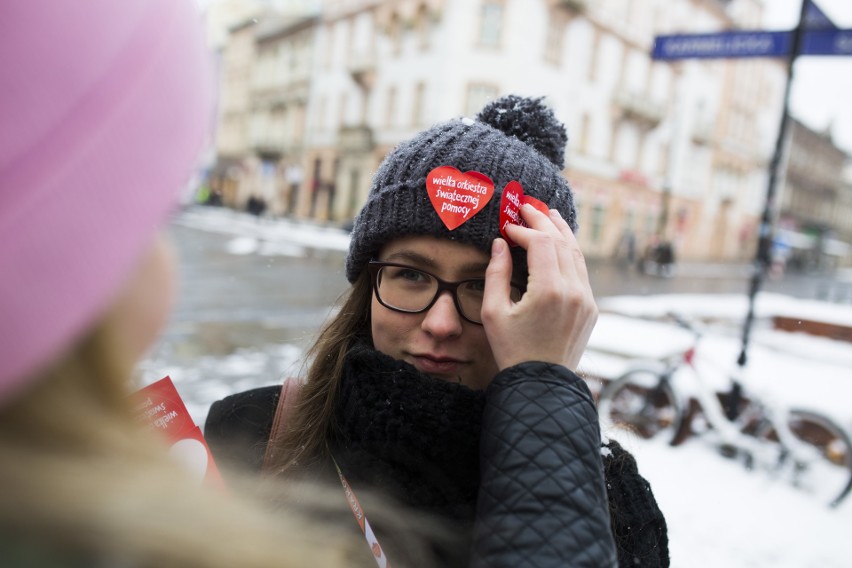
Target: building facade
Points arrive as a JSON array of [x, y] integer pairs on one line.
[[814, 214], [657, 150]]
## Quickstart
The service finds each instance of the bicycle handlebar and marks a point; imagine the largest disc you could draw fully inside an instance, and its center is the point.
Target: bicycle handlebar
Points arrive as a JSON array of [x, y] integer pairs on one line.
[[683, 322]]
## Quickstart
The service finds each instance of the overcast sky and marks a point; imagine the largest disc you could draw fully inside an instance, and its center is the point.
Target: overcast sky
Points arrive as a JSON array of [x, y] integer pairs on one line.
[[822, 86]]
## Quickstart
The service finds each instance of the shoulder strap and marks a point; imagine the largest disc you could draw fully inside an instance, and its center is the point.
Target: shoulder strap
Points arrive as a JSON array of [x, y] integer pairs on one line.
[[286, 403]]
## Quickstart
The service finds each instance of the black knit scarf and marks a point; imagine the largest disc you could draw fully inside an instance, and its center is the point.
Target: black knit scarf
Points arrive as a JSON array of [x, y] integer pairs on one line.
[[408, 434], [416, 438]]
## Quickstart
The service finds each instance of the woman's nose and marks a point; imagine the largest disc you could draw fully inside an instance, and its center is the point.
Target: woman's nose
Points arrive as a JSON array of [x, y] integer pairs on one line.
[[443, 319]]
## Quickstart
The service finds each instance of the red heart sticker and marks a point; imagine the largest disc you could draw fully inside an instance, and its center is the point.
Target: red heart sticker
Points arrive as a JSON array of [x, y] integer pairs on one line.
[[458, 196], [510, 204]]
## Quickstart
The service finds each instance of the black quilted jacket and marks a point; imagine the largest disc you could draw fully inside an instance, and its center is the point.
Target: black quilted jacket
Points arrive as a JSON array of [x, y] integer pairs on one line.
[[520, 464], [542, 499]]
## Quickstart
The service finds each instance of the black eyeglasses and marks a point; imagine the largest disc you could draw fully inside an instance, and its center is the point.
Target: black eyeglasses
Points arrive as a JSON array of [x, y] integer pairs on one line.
[[410, 290]]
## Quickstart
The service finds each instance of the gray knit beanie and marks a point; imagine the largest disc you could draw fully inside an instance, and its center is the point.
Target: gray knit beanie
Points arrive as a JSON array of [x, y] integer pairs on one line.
[[512, 138]]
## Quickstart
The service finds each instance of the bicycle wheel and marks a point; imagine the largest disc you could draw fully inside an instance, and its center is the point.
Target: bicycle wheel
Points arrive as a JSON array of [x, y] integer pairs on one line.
[[643, 402], [829, 474]]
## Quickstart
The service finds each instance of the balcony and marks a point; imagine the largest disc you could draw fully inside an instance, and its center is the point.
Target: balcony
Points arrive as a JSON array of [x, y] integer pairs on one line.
[[362, 68], [267, 144], [355, 139], [702, 132], [577, 6], [639, 108], [407, 13]]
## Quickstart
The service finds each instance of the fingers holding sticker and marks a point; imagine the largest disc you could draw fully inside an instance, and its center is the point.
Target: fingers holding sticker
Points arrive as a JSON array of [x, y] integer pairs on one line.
[[512, 200], [554, 319]]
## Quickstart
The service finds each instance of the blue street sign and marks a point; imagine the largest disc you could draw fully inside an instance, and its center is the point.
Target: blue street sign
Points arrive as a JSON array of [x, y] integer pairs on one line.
[[728, 45], [827, 42], [722, 45]]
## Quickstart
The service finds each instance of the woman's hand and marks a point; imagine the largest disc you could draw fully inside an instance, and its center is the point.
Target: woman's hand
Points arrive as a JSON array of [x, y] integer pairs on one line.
[[554, 319]]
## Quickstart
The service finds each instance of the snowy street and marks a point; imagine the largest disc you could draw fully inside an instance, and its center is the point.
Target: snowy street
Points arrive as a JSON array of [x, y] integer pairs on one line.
[[254, 291]]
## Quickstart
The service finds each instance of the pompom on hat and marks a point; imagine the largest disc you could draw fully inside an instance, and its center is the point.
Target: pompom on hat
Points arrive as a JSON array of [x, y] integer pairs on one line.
[[512, 139], [104, 108]]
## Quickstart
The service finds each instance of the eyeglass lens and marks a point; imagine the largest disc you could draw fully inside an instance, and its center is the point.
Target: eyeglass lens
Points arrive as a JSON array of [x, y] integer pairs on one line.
[[411, 290]]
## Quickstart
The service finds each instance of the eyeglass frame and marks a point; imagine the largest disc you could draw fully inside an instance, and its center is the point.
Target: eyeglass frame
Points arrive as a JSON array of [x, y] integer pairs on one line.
[[375, 266]]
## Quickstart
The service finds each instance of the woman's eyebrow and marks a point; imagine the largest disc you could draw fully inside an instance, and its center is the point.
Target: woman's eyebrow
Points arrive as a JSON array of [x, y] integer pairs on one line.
[[411, 256], [423, 261]]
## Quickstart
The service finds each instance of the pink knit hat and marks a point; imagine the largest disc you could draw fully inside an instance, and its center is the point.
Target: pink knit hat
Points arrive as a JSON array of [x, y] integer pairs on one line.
[[104, 107]]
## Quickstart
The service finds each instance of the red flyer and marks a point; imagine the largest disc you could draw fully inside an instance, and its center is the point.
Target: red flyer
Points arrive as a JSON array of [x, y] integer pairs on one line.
[[161, 407]]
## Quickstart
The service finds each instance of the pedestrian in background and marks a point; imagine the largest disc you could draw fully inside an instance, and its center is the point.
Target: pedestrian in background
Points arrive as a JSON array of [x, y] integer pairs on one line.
[[104, 107], [446, 379]]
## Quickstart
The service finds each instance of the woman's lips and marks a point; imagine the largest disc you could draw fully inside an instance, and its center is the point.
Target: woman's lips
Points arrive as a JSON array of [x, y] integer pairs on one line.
[[432, 365]]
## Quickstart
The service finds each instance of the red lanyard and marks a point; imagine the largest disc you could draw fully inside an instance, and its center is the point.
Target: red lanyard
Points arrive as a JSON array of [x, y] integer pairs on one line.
[[372, 541]]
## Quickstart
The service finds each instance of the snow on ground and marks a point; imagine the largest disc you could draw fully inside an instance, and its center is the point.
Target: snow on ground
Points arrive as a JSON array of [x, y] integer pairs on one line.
[[719, 514], [262, 235], [729, 307]]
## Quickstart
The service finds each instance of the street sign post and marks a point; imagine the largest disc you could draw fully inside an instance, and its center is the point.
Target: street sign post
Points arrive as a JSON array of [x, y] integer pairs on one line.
[[815, 34], [815, 19]]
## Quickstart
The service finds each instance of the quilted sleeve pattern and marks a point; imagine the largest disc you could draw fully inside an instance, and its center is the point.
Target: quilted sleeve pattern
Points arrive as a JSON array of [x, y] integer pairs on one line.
[[542, 498]]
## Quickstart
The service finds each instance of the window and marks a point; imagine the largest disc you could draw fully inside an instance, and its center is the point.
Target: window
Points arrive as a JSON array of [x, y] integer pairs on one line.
[[341, 111], [598, 213], [419, 101], [613, 141], [330, 34], [665, 155], [491, 23], [593, 55], [478, 94], [630, 220], [322, 106], [423, 26], [395, 33], [299, 123], [390, 107], [553, 39], [650, 223], [585, 133]]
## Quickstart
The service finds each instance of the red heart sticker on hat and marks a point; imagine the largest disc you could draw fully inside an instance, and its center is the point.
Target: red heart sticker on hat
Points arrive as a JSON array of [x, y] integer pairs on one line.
[[510, 207], [458, 196]]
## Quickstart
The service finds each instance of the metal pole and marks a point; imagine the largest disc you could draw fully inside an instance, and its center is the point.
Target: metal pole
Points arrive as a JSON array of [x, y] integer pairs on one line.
[[761, 260]]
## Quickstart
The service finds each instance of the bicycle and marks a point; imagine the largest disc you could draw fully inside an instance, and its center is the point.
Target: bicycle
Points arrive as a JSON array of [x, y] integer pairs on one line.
[[650, 398]]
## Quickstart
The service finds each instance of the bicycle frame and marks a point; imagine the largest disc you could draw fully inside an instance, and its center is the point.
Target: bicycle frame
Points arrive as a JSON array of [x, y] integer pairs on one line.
[[730, 431]]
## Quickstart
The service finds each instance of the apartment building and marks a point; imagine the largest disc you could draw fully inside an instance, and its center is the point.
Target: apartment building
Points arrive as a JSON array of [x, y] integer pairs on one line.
[[656, 150], [230, 173], [814, 213]]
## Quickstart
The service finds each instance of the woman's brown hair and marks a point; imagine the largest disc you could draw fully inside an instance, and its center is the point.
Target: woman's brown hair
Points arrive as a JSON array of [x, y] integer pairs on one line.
[[302, 440]]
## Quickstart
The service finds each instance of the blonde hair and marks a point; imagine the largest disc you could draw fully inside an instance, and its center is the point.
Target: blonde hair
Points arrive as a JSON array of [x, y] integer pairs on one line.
[[80, 477]]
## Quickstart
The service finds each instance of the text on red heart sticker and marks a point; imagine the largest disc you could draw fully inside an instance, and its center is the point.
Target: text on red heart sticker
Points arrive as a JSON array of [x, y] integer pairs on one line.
[[512, 200], [458, 196]]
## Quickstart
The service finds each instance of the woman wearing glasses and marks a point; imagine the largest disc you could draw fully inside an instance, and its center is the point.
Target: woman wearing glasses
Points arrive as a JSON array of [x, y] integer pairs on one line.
[[447, 377]]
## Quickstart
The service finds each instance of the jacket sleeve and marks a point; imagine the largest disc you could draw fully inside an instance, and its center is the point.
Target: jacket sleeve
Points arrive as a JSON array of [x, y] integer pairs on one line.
[[542, 498], [237, 427]]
